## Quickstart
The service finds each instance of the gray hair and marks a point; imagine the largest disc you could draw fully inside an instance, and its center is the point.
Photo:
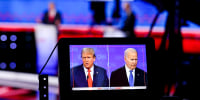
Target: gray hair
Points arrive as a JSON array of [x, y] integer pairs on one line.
[[129, 50]]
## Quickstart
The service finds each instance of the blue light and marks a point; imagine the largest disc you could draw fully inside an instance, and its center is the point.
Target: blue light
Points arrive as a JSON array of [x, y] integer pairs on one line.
[[3, 37], [13, 45], [13, 37], [184, 83], [3, 65], [12, 65], [27, 65]]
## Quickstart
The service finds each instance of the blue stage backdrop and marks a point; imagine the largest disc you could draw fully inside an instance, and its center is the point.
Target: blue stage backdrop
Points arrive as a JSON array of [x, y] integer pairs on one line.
[[74, 12], [79, 12]]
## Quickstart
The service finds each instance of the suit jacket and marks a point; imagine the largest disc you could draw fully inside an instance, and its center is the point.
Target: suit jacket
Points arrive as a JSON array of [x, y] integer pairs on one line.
[[129, 26], [78, 77], [45, 18], [119, 77]]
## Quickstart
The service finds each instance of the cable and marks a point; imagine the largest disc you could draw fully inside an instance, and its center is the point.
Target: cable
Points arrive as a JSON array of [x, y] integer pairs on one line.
[[43, 79], [153, 23], [48, 58]]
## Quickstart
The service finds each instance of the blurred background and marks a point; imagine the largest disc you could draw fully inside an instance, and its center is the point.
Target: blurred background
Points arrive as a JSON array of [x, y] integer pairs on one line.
[[29, 30]]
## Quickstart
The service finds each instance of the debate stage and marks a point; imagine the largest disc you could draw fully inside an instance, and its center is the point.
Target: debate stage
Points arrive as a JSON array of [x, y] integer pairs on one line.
[[190, 43], [190, 36]]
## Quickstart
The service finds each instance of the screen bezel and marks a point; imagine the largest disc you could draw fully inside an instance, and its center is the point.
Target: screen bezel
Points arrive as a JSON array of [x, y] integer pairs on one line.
[[65, 89]]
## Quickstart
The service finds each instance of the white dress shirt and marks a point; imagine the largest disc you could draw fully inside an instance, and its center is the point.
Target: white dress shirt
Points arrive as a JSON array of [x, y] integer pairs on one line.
[[128, 72], [91, 73]]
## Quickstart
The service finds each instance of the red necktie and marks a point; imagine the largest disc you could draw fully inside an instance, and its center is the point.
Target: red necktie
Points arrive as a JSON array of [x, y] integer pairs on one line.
[[89, 78]]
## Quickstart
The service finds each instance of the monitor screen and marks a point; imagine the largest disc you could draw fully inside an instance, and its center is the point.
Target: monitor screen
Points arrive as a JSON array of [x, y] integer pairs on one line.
[[110, 58], [105, 66]]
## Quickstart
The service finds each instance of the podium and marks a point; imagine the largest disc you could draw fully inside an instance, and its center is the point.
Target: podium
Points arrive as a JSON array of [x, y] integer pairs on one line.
[[111, 32], [46, 39]]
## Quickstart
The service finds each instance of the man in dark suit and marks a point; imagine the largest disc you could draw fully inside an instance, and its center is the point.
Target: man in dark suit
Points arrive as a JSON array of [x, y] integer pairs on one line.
[[88, 74], [52, 16], [129, 22], [129, 74]]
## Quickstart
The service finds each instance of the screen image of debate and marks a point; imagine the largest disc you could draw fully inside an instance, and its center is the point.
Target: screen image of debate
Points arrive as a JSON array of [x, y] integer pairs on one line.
[[107, 67]]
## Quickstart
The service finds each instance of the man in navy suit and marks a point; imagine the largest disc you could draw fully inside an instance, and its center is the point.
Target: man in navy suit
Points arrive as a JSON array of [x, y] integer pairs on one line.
[[88, 72], [52, 16], [129, 74]]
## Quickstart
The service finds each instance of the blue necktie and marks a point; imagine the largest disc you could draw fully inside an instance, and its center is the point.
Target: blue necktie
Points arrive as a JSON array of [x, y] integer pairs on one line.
[[131, 80]]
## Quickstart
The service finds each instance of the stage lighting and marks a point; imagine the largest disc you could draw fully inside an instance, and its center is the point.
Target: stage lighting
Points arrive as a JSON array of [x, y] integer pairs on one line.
[[3, 65], [13, 45], [17, 50], [12, 65], [13, 38], [3, 37]]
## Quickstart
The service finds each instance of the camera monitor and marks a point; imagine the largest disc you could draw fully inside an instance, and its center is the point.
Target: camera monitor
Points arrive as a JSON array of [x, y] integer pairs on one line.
[[100, 67]]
